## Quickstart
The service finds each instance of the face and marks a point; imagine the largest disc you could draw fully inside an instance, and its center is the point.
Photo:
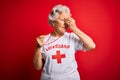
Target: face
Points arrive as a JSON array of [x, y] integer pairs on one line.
[[59, 24]]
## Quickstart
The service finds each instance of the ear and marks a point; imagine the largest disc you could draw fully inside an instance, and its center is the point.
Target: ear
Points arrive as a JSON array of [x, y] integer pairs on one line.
[[54, 23], [51, 23]]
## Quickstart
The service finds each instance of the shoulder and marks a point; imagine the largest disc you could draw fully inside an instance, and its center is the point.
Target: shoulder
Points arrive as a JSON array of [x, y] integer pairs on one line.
[[70, 34], [73, 36], [47, 36]]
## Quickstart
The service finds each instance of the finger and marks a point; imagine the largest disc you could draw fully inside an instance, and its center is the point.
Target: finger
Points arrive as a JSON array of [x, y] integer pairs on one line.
[[40, 40], [40, 37], [70, 20], [67, 19]]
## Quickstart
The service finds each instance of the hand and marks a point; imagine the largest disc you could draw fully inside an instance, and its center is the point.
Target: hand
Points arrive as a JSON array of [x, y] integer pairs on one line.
[[71, 23], [40, 41]]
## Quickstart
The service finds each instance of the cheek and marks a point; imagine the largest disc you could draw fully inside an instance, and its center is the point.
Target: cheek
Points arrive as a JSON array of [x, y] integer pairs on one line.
[[60, 23]]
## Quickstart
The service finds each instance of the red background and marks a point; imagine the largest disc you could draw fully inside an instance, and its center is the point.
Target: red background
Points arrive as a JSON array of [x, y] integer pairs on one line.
[[21, 21]]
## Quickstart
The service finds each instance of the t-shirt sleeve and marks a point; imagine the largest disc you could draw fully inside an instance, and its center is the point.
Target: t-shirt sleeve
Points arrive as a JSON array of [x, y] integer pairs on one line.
[[78, 44]]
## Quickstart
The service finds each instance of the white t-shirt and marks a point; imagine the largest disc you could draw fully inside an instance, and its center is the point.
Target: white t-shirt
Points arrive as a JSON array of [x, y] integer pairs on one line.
[[59, 56]]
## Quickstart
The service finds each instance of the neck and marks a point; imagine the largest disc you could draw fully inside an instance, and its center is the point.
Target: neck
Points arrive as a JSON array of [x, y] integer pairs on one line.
[[57, 34]]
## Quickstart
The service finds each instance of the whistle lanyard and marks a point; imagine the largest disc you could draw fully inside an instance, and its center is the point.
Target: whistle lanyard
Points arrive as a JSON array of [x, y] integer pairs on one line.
[[51, 41]]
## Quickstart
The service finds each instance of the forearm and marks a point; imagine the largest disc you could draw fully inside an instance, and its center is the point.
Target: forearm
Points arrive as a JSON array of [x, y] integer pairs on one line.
[[38, 59], [87, 41]]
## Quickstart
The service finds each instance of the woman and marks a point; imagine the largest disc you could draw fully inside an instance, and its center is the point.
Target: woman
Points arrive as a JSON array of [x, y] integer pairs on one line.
[[55, 52]]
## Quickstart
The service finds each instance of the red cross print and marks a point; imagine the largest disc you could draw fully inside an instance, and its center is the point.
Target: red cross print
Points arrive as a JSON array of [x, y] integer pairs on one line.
[[58, 56]]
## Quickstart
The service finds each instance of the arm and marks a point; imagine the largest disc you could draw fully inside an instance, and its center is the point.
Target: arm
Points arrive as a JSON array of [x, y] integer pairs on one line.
[[37, 60], [87, 41]]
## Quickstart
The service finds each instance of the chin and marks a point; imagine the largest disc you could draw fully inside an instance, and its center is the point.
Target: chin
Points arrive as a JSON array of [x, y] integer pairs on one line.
[[62, 32]]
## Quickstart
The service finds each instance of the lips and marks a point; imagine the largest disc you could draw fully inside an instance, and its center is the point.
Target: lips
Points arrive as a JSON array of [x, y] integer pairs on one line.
[[65, 27]]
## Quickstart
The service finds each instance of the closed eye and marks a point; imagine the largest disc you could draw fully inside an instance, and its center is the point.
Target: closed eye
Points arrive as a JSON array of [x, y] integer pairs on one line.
[[62, 19]]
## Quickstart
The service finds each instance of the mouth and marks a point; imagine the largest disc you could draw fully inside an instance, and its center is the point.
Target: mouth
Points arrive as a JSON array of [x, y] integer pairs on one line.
[[65, 27]]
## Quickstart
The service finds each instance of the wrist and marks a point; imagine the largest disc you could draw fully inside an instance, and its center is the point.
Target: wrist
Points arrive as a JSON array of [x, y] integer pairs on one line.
[[75, 29], [38, 46]]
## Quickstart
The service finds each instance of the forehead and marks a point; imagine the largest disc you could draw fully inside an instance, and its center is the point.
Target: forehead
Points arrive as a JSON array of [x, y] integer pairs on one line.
[[63, 15]]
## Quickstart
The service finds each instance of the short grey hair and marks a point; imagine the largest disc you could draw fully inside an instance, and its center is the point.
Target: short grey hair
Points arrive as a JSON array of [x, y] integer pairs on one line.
[[57, 9]]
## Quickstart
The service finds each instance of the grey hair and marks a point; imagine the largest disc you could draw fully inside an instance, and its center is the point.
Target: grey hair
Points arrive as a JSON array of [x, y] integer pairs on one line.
[[58, 9]]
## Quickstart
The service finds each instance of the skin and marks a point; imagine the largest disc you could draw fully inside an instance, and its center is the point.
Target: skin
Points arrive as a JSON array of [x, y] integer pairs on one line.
[[60, 25]]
